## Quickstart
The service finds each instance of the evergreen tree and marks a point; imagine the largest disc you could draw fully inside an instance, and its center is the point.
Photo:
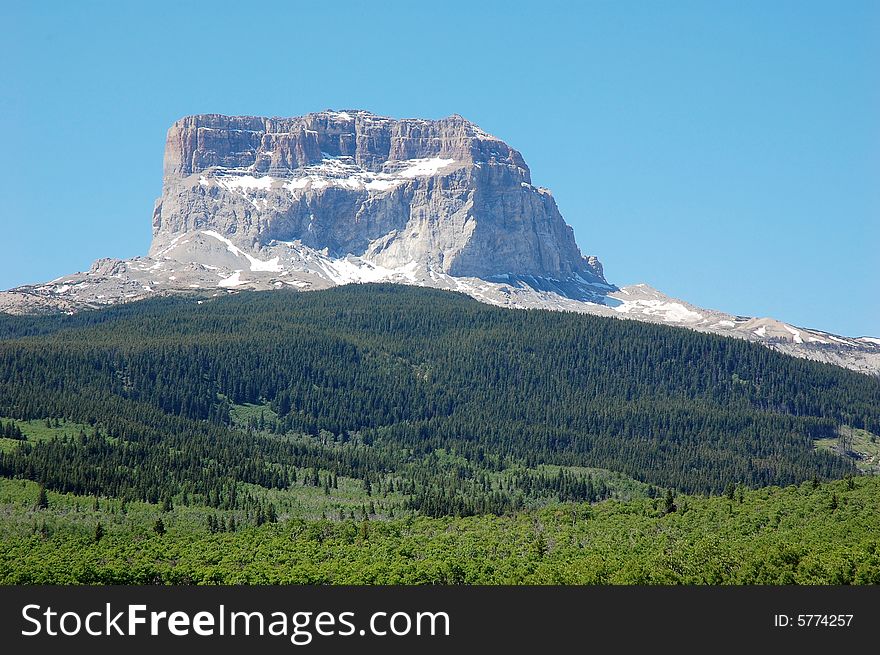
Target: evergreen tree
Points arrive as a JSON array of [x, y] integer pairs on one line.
[[669, 502], [729, 490], [42, 498]]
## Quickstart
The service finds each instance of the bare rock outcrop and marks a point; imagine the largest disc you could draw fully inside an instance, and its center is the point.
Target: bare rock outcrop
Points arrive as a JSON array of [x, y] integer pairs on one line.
[[443, 194]]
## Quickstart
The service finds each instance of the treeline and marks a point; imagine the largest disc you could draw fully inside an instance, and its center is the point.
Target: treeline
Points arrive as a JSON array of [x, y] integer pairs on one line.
[[9, 430], [394, 374]]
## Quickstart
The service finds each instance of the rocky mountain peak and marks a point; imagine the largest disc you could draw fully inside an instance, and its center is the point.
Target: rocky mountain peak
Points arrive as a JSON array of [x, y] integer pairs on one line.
[[443, 195], [341, 196]]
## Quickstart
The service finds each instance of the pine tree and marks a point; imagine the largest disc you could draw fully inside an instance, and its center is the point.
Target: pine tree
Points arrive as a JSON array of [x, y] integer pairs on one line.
[[159, 527], [669, 502], [42, 498], [99, 532]]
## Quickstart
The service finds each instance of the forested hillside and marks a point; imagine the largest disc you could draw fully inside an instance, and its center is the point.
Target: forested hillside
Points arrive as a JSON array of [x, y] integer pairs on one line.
[[450, 403]]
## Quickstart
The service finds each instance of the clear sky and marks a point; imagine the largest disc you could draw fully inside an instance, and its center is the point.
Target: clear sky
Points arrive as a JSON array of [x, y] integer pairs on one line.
[[727, 153]]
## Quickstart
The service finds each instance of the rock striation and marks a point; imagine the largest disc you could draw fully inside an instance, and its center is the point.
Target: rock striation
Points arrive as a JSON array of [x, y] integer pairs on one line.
[[442, 194], [339, 197]]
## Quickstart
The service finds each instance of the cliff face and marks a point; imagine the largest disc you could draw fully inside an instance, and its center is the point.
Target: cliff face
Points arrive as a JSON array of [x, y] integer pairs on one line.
[[334, 198], [441, 194]]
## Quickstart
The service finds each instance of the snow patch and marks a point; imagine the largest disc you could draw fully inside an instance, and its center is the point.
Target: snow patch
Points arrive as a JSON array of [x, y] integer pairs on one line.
[[271, 266], [671, 312], [236, 182], [420, 167], [795, 335], [167, 248], [232, 281], [343, 172]]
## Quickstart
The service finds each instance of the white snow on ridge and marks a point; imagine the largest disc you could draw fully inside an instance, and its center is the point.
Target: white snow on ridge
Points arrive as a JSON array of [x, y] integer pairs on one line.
[[232, 281], [168, 247], [271, 266], [726, 324], [869, 340], [761, 331], [350, 270], [231, 247], [344, 271], [419, 167], [331, 171], [671, 312], [341, 115], [795, 335], [234, 182], [380, 185]]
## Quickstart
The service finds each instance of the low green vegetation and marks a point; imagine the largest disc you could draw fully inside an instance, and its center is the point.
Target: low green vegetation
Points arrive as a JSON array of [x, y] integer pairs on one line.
[[814, 533], [391, 434], [859, 446]]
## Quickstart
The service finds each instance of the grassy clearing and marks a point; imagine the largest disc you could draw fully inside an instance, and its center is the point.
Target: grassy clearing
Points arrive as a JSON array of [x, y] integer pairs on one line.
[[45, 429], [858, 445]]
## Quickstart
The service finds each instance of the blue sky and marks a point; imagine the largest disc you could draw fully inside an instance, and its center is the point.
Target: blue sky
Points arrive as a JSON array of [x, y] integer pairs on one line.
[[727, 153]]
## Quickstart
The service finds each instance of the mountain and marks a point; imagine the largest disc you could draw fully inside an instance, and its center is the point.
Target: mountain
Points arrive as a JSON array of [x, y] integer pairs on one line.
[[431, 385], [337, 197]]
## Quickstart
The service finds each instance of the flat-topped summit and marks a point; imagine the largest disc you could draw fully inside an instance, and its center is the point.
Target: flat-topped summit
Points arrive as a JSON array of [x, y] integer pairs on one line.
[[441, 194], [334, 197], [196, 143]]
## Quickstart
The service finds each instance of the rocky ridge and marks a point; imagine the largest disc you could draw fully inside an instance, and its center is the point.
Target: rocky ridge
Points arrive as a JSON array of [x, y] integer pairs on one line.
[[340, 197]]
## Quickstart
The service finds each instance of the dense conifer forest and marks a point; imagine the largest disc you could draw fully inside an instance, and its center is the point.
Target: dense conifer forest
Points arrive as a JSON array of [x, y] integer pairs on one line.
[[370, 402], [363, 380]]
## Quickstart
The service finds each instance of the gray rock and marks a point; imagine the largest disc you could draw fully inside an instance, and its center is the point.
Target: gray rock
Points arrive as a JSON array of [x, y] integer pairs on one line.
[[443, 194], [332, 198]]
